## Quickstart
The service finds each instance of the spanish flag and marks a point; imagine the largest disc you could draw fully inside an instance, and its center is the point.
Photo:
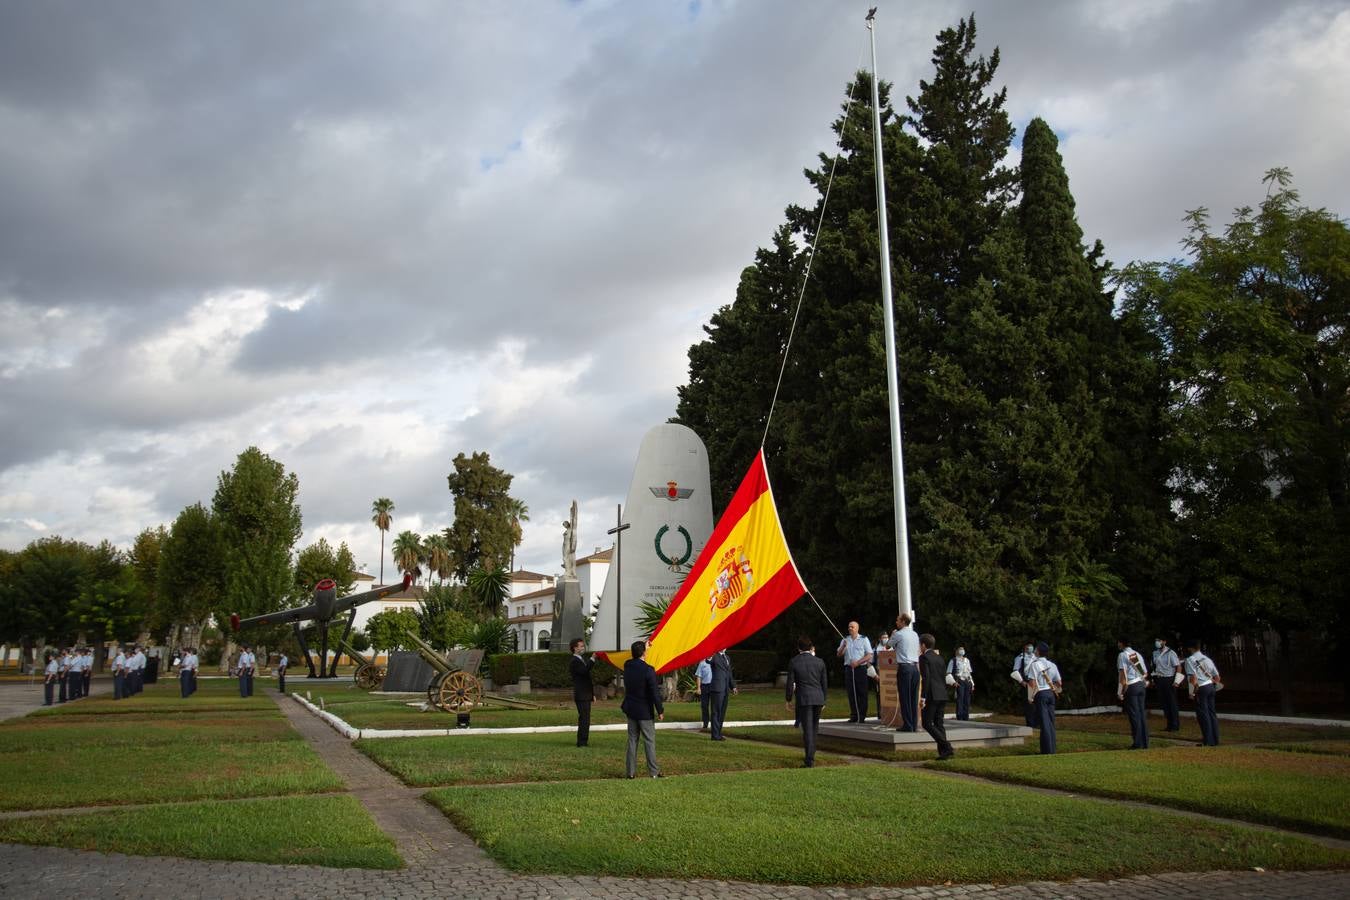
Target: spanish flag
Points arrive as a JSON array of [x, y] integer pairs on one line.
[[744, 577]]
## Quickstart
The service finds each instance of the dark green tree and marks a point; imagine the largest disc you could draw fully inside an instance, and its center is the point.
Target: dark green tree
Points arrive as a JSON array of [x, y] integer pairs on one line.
[[388, 628], [113, 603], [46, 588], [256, 511], [1251, 335], [319, 561], [483, 534], [191, 578]]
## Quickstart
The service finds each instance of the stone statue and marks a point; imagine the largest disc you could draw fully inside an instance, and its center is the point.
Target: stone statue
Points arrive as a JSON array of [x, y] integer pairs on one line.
[[569, 545]]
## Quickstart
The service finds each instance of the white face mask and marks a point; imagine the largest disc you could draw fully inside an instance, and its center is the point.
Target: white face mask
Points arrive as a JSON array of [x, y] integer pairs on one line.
[[1027, 649], [961, 651], [1157, 645]]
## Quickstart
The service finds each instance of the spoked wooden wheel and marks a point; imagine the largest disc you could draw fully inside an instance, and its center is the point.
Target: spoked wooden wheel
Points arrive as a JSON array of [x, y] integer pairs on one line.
[[459, 692], [366, 677], [434, 691]]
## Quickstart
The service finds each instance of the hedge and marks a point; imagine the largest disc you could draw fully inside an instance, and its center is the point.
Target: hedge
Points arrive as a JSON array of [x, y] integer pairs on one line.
[[552, 670]]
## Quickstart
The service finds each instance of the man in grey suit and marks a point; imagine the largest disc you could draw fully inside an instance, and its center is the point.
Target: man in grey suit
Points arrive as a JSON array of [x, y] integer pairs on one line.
[[723, 681], [807, 681]]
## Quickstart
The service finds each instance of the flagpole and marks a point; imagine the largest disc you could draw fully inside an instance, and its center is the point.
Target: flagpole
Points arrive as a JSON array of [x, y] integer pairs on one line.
[[892, 376]]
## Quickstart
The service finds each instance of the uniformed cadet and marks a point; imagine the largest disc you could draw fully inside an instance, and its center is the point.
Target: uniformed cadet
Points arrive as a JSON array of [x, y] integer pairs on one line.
[[281, 672], [1205, 683], [246, 664], [1044, 675], [1020, 664], [960, 672], [62, 670], [136, 669], [1165, 665], [196, 668], [87, 669], [119, 674], [74, 675], [1131, 679], [50, 674], [857, 653], [186, 673]]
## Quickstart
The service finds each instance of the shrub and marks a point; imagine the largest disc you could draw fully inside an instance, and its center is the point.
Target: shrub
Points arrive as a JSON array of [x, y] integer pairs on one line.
[[754, 665], [546, 670]]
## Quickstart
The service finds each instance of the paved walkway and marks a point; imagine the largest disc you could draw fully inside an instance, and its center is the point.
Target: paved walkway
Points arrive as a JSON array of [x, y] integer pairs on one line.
[[19, 698], [443, 862]]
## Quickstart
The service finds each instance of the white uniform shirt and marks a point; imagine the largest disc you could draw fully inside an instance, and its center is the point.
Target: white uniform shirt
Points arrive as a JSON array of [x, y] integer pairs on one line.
[[246, 660], [119, 664], [190, 663], [906, 644], [1132, 667], [283, 662], [703, 672], [1021, 664], [1165, 662], [959, 668], [1202, 667], [138, 660], [1044, 673], [52, 668], [855, 648]]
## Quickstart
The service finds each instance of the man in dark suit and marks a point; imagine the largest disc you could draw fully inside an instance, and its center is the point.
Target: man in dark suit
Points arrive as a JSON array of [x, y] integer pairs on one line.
[[933, 694], [642, 705], [722, 682], [583, 689], [807, 681]]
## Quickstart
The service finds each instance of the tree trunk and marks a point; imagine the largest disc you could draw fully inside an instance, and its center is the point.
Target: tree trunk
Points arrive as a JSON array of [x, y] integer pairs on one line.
[[226, 652], [1286, 673]]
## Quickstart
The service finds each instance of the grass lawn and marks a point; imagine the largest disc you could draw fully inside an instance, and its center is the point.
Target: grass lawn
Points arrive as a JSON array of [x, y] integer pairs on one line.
[[94, 775], [503, 758], [1230, 732], [1066, 743], [48, 733], [1302, 791], [788, 827], [362, 710], [1329, 748], [323, 831], [213, 696]]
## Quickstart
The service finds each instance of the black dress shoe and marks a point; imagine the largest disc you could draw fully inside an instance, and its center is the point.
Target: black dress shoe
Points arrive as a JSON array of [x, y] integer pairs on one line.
[[719, 739]]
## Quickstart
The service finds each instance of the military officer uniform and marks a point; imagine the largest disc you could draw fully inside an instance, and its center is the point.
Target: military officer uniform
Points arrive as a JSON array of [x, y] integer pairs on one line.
[[959, 669], [1165, 665], [119, 674], [1205, 681], [246, 662], [1020, 666], [50, 675], [1132, 676], [1044, 675]]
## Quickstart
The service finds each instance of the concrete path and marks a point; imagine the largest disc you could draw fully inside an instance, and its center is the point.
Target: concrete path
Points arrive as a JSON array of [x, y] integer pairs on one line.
[[443, 862], [19, 698]]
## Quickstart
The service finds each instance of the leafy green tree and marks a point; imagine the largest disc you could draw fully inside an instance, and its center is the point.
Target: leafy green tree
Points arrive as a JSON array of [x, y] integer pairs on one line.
[[46, 587], [482, 534], [319, 561], [488, 590], [382, 514], [1251, 331], [144, 560], [388, 628], [113, 602], [191, 576], [440, 620], [409, 553], [256, 511]]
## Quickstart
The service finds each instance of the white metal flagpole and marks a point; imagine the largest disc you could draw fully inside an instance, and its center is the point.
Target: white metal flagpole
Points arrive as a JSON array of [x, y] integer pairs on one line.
[[892, 376]]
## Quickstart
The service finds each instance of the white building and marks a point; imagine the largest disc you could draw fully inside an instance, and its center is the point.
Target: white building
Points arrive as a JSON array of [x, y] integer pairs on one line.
[[408, 599], [530, 607]]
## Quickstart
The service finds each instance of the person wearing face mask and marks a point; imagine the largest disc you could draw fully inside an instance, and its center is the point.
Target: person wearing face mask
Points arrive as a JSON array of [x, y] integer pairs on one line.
[[1165, 666], [1021, 664], [962, 677]]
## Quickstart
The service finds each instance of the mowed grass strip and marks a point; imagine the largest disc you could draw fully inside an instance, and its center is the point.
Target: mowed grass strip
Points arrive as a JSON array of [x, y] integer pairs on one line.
[[374, 711], [322, 831], [509, 758], [1067, 743], [1302, 791], [790, 826], [1327, 748], [213, 696], [94, 776], [1230, 732], [65, 733]]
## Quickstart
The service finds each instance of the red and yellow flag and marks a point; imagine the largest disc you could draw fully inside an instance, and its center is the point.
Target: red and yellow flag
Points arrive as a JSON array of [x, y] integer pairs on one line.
[[744, 577]]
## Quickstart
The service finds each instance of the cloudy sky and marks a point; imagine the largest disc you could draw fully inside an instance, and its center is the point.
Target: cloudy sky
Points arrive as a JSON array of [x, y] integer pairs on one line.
[[368, 236]]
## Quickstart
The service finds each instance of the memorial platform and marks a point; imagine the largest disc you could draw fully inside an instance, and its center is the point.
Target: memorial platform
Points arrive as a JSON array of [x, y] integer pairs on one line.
[[961, 734]]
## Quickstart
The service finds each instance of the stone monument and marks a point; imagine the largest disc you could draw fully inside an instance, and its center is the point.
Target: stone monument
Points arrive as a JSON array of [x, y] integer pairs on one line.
[[567, 611]]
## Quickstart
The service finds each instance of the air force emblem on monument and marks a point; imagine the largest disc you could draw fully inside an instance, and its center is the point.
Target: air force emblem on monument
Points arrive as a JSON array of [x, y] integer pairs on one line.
[[735, 578], [672, 492]]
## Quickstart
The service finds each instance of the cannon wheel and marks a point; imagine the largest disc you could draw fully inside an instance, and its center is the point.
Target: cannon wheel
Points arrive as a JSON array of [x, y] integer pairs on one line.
[[367, 676], [434, 690], [459, 692]]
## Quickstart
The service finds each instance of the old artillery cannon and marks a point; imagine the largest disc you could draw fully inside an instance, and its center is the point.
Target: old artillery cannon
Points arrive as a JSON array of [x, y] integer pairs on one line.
[[368, 676], [456, 687]]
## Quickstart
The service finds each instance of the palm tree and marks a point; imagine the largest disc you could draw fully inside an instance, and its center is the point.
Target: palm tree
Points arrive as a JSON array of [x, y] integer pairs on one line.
[[489, 588], [408, 553], [518, 512], [437, 550], [382, 509]]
